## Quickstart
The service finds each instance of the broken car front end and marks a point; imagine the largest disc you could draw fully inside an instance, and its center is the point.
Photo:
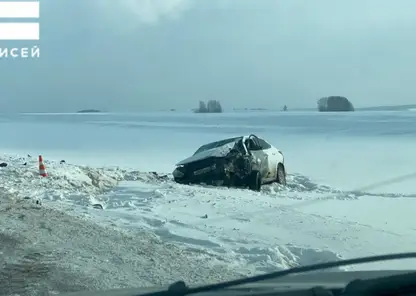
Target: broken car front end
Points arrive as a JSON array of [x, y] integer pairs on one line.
[[230, 170]]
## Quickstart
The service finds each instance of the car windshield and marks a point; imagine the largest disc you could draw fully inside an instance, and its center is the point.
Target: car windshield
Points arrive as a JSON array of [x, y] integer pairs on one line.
[[216, 144], [104, 103]]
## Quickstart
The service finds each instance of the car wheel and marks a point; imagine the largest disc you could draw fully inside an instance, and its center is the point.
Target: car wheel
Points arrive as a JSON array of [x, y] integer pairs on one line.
[[254, 182], [281, 175]]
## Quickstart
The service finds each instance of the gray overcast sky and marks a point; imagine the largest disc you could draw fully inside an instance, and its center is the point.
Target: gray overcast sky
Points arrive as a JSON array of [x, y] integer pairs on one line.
[[136, 55]]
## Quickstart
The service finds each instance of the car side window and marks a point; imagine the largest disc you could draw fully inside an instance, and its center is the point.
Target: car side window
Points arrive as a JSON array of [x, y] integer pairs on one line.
[[263, 144], [254, 145]]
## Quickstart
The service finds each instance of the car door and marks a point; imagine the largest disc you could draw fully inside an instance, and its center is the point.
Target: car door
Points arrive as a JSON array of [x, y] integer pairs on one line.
[[260, 158], [273, 157]]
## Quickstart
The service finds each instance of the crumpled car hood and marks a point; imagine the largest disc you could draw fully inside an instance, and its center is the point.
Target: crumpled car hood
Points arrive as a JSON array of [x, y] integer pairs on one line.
[[214, 152]]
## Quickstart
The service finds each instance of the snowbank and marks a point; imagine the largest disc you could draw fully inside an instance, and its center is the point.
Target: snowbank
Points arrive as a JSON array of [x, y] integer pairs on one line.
[[46, 249], [21, 179]]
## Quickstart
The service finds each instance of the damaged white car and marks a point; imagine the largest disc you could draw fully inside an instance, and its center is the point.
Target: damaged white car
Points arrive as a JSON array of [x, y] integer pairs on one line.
[[245, 161]]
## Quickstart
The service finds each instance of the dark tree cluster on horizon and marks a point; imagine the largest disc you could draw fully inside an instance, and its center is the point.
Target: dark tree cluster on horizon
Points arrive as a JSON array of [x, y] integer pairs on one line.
[[212, 106], [334, 104]]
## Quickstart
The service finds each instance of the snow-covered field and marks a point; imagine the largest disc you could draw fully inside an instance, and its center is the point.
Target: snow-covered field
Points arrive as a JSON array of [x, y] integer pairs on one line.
[[340, 201]]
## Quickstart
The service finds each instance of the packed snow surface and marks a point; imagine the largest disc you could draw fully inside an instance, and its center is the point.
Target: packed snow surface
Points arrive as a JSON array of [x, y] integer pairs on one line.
[[348, 195], [48, 245]]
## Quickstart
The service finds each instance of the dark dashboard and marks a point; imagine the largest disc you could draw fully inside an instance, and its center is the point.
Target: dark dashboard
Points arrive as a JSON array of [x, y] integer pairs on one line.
[[308, 284]]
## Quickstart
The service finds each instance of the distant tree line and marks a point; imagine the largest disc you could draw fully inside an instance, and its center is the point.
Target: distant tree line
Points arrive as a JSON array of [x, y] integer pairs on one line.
[[334, 104], [212, 106], [89, 111]]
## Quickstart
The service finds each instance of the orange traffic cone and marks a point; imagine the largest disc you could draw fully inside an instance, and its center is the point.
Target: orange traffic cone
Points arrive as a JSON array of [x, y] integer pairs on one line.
[[42, 169]]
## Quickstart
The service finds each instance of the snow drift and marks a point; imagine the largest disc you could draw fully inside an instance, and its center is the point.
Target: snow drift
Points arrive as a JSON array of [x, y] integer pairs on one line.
[[49, 247], [147, 204], [65, 181], [50, 229], [46, 250]]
